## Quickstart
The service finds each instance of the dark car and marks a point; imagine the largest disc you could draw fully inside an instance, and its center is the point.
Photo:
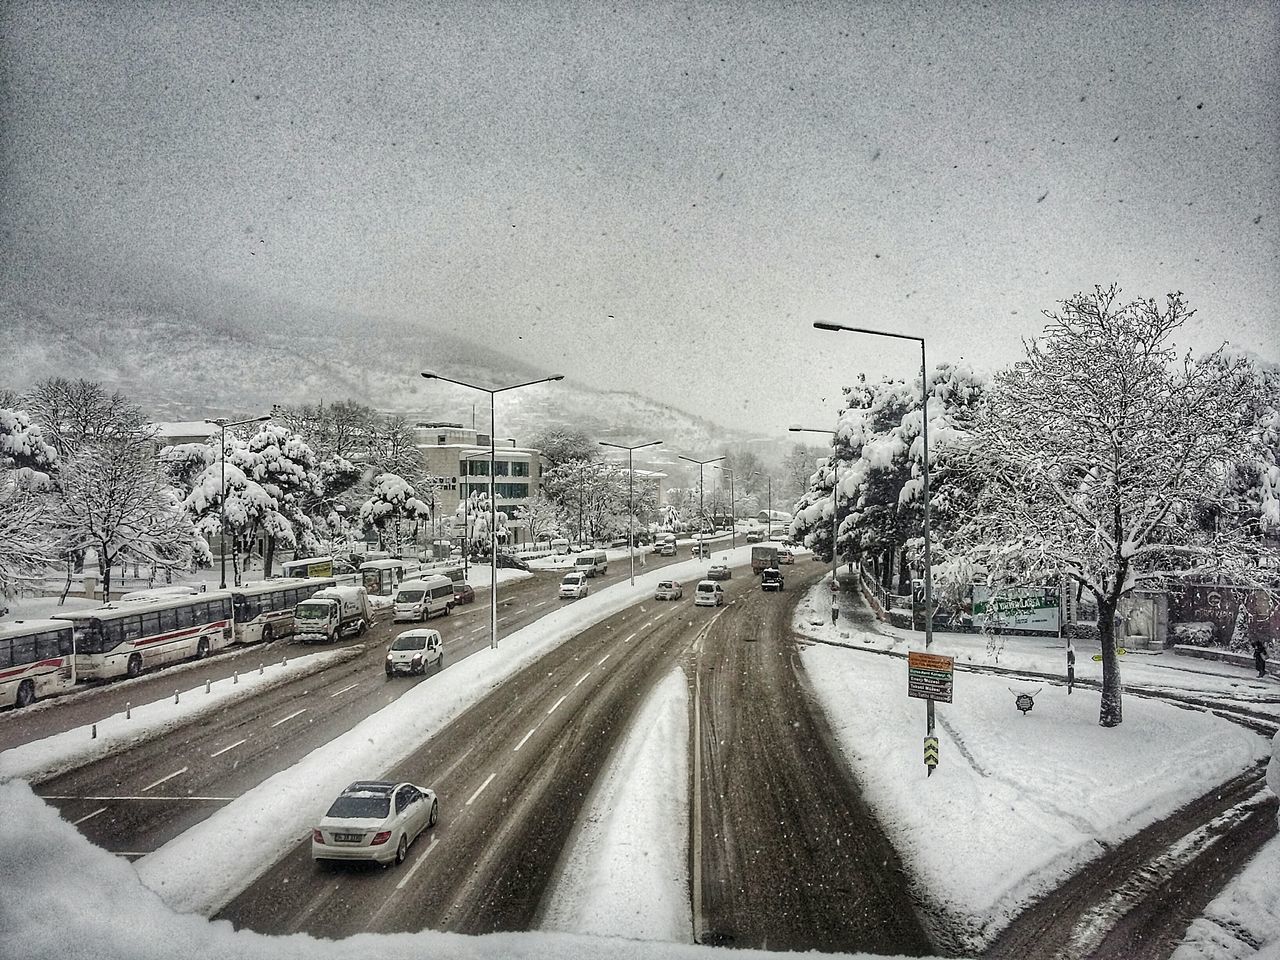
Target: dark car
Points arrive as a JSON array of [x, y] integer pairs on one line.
[[509, 562], [771, 579], [462, 593], [719, 571]]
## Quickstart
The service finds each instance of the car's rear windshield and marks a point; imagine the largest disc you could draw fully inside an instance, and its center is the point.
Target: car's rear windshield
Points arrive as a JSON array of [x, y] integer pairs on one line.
[[665, 585], [361, 808], [707, 587], [573, 578], [408, 596], [409, 643]]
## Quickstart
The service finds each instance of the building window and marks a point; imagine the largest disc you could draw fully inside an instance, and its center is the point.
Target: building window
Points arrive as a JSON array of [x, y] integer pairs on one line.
[[477, 467], [519, 468], [512, 491]]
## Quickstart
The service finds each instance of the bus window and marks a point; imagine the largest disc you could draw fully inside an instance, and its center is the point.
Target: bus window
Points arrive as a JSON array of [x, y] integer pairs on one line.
[[185, 619], [151, 624], [24, 649], [65, 646], [168, 620], [47, 645], [132, 627], [6, 653]]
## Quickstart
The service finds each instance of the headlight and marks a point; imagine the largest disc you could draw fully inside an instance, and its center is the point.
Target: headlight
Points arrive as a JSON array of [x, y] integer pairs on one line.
[[388, 656]]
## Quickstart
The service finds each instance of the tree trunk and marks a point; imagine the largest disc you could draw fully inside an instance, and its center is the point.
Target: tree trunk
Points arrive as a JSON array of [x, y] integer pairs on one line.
[[104, 568], [1109, 713], [269, 552]]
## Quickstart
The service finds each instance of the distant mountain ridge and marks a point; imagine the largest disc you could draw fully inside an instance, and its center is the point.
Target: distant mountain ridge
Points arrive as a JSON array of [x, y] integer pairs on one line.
[[181, 368]]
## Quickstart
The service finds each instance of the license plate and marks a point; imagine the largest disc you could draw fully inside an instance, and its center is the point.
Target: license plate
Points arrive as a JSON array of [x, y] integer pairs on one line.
[[348, 837]]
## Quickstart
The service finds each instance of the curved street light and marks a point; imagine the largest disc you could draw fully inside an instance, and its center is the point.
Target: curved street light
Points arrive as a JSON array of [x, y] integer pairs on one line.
[[701, 509], [631, 508], [493, 508]]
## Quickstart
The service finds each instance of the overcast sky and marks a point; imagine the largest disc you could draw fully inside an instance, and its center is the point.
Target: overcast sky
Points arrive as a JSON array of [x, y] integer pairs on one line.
[[663, 197]]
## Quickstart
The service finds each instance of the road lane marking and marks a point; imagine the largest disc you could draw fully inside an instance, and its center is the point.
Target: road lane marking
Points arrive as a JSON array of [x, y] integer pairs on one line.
[[349, 686], [604, 658], [421, 860], [647, 625], [225, 749], [518, 746], [154, 798], [632, 637], [88, 816], [540, 603], [480, 789], [289, 717], [175, 773], [556, 704], [583, 677]]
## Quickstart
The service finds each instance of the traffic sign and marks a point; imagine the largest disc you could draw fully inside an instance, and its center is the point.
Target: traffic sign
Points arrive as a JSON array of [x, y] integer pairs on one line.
[[929, 676], [931, 752], [1097, 657]]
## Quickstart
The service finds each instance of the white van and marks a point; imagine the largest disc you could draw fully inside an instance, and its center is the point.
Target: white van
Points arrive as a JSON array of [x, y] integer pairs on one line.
[[592, 562], [420, 599]]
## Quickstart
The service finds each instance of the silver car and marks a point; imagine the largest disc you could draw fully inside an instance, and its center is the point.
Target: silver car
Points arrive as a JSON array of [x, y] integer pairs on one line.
[[374, 820], [668, 590]]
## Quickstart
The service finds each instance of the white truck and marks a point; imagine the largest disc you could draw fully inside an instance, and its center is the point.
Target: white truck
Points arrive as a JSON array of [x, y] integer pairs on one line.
[[332, 613]]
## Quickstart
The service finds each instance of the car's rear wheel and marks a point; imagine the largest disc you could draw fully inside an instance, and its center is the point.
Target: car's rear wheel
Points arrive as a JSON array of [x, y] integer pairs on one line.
[[402, 849]]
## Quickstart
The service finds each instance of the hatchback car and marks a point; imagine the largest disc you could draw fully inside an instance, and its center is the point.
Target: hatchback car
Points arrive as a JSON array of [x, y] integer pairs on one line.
[[754, 536], [374, 820], [700, 550], [771, 579], [668, 590], [573, 586], [463, 593], [719, 571], [786, 556], [414, 651], [708, 594]]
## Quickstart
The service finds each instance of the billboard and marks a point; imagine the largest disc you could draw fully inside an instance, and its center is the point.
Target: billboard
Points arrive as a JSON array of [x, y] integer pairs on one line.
[[1017, 608]]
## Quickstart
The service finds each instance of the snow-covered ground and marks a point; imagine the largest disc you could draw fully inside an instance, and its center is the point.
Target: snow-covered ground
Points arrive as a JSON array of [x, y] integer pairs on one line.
[[626, 871], [1154, 670], [1244, 919], [1018, 802], [45, 758]]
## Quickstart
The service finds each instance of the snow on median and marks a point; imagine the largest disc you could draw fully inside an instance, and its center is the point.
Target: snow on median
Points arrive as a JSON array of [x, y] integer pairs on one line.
[[205, 867], [42, 759]]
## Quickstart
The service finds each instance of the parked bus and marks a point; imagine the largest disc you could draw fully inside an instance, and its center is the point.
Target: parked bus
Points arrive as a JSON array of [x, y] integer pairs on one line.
[[316, 567], [126, 638], [35, 660], [264, 611], [381, 577]]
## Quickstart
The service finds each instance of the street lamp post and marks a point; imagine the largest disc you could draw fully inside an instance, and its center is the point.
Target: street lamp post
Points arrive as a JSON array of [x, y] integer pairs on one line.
[[701, 508], [222, 423], [733, 509], [631, 507], [835, 511], [924, 434], [493, 507]]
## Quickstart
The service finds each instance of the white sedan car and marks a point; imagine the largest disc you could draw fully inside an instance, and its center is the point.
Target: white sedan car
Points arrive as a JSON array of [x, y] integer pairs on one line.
[[374, 820]]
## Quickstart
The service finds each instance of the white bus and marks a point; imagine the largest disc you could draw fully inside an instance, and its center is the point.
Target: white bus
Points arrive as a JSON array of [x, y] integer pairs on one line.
[[126, 638], [35, 660], [264, 611]]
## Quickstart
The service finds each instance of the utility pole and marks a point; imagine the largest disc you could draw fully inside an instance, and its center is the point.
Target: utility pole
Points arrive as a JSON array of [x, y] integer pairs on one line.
[[701, 508], [222, 423], [631, 506]]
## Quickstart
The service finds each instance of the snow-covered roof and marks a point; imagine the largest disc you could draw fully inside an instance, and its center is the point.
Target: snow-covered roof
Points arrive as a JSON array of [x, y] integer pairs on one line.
[[184, 428]]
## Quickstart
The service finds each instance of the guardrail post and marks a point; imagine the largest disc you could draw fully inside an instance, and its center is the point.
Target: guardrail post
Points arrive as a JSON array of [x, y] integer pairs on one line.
[[128, 710]]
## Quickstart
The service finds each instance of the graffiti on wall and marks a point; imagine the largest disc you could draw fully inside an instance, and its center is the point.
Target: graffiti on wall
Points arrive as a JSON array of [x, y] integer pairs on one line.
[[1239, 615]]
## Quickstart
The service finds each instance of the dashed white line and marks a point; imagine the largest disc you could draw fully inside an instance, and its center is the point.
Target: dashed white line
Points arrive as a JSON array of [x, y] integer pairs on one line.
[[583, 677], [632, 637], [556, 704], [88, 816], [225, 749], [289, 717], [603, 659], [350, 686], [540, 603], [421, 860], [480, 789], [176, 773], [518, 746]]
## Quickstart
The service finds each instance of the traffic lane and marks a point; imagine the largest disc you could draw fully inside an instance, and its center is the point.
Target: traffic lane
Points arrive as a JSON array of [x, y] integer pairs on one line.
[[474, 765], [791, 857], [220, 758], [91, 704]]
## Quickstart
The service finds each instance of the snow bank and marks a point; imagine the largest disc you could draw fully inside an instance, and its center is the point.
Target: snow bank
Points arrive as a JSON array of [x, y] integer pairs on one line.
[[626, 871], [63, 897], [1242, 921], [1018, 802], [41, 759], [205, 867]]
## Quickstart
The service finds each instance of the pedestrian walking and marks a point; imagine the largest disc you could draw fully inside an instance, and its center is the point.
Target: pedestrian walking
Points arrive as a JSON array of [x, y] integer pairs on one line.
[[1071, 667], [1260, 656]]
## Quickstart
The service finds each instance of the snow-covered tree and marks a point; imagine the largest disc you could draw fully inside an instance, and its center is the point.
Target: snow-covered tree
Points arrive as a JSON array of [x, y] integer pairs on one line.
[[184, 462], [1096, 453], [541, 516], [282, 463], [116, 500], [24, 450], [249, 508], [476, 509], [393, 502], [75, 413], [592, 495], [393, 447], [29, 535]]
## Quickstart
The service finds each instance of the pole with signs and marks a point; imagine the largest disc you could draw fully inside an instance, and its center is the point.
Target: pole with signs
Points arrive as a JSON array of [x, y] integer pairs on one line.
[[930, 676]]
